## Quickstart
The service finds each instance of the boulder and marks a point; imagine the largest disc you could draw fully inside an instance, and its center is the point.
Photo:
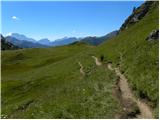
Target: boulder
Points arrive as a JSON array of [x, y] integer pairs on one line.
[[153, 36]]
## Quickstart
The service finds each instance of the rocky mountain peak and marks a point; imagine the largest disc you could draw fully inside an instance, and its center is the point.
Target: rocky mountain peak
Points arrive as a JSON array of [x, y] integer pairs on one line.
[[137, 14]]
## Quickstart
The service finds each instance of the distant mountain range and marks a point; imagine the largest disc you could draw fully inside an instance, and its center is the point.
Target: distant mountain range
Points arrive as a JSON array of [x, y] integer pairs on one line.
[[22, 37], [24, 43], [98, 40], [45, 41], [65, 41], [5, 45], [27, 42], [58, 42]]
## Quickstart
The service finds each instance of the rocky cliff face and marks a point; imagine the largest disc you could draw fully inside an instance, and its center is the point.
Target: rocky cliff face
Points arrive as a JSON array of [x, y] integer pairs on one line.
[[138, 14]]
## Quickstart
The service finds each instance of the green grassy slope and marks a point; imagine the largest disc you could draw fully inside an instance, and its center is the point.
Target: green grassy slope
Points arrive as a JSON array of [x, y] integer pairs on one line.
[[137, 57], [46, 83]]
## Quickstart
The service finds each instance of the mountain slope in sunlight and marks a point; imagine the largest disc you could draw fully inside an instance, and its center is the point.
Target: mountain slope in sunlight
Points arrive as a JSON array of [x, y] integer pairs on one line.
[[48, 82], [137, 56]]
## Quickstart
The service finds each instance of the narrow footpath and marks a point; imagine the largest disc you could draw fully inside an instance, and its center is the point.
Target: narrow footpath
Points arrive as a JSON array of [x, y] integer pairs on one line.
[[127, 94], [81, 69], [97, 61]]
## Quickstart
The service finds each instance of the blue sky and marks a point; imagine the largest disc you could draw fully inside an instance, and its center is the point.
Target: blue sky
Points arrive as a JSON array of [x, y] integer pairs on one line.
[[53, 20]]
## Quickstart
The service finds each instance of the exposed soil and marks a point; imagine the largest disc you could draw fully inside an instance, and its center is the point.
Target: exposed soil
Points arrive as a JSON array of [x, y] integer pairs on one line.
[[98, 63], [133, 107], [145, 110], [81, 69]]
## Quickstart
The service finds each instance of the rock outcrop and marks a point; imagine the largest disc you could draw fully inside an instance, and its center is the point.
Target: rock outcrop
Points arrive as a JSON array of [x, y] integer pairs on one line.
[[153, 36], [137, 14]]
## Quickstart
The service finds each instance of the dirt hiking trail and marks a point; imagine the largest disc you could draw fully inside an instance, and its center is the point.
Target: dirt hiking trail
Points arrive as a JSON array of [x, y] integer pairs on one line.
[[97, 61], [127, 94], [145, 111], [81, 69]]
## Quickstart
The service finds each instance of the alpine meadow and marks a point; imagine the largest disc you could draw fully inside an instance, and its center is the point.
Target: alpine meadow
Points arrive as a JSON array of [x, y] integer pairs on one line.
[[115, 75]]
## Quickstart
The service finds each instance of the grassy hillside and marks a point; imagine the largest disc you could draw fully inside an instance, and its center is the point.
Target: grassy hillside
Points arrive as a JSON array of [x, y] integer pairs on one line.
[[137, 57], [46, 83]]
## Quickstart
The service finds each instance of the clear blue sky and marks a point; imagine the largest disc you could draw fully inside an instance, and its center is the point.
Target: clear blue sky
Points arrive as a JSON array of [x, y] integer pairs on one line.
[[48, 19]]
